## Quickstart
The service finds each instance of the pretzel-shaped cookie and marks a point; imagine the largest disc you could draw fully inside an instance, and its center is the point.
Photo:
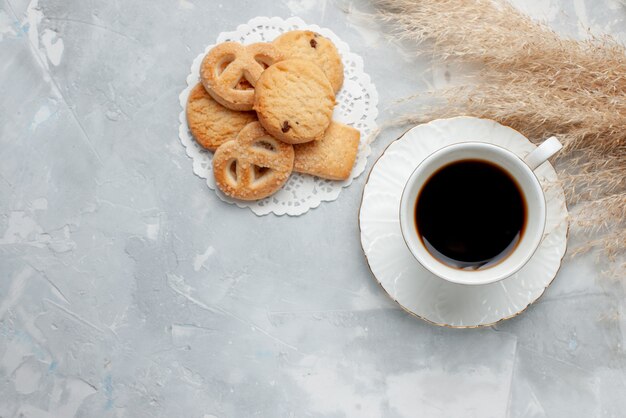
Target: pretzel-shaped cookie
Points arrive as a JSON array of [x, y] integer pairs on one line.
[[230, 71], [253, 165]]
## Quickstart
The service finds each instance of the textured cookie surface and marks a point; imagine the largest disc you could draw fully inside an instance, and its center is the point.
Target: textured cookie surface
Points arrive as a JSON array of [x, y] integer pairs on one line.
[[313, 47], [330, 157], [294, 101], [210, 123], [252, 166], [229, 72]]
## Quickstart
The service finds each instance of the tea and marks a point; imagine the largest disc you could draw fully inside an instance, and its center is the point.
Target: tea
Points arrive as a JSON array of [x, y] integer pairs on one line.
[[470, 214]]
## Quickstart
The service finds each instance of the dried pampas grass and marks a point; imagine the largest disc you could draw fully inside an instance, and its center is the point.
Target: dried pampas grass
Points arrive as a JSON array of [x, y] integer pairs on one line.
[[540, 84]]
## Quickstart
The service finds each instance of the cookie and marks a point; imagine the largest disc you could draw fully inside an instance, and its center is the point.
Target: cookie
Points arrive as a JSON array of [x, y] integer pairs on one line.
[[330, 157], [211, 123], [252, 166], [313, 47], [294, 101], [229, 72]]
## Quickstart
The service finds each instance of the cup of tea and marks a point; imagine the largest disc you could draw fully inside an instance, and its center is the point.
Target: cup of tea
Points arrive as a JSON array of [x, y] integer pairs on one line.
[[474, 213]]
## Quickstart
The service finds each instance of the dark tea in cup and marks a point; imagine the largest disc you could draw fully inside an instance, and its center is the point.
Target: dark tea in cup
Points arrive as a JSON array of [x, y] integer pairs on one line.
[[470, 214]]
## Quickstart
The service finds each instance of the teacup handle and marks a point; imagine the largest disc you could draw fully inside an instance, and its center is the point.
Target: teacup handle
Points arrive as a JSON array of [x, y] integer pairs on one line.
[[547, 149]]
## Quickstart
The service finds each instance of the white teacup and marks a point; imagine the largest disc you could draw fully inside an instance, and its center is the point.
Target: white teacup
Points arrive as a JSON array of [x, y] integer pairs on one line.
[[520, 169]]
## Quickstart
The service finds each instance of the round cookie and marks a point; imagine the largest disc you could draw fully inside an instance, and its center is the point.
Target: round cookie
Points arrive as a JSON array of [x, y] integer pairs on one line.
[[313, 47], [294, 101], [210, 123], [229, 72], [252, 166]]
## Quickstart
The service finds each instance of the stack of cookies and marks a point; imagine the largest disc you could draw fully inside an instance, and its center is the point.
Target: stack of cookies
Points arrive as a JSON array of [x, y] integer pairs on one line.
[[266, 110]]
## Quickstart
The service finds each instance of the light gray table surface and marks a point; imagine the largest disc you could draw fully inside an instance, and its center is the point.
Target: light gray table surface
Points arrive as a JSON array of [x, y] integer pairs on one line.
[[128, 289]]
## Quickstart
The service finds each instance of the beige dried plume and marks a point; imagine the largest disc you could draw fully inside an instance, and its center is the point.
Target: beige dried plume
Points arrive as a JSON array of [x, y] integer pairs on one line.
[[541, 85]]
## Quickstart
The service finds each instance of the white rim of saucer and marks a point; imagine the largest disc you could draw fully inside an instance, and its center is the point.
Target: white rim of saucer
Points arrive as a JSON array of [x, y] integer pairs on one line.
[[409, 311]]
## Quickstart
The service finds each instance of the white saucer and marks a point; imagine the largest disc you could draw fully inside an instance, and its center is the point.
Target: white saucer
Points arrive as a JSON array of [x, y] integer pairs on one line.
[[417, 290]]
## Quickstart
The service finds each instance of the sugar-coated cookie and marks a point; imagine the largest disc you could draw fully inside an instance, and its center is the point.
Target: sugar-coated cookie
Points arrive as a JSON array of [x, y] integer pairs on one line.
[[330, 157], [229, 72], [294, 101], [252, 166], [313, 47], [210, 123]]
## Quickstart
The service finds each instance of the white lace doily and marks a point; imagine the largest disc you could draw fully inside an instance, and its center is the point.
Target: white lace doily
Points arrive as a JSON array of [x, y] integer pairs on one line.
[[357, 103]]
